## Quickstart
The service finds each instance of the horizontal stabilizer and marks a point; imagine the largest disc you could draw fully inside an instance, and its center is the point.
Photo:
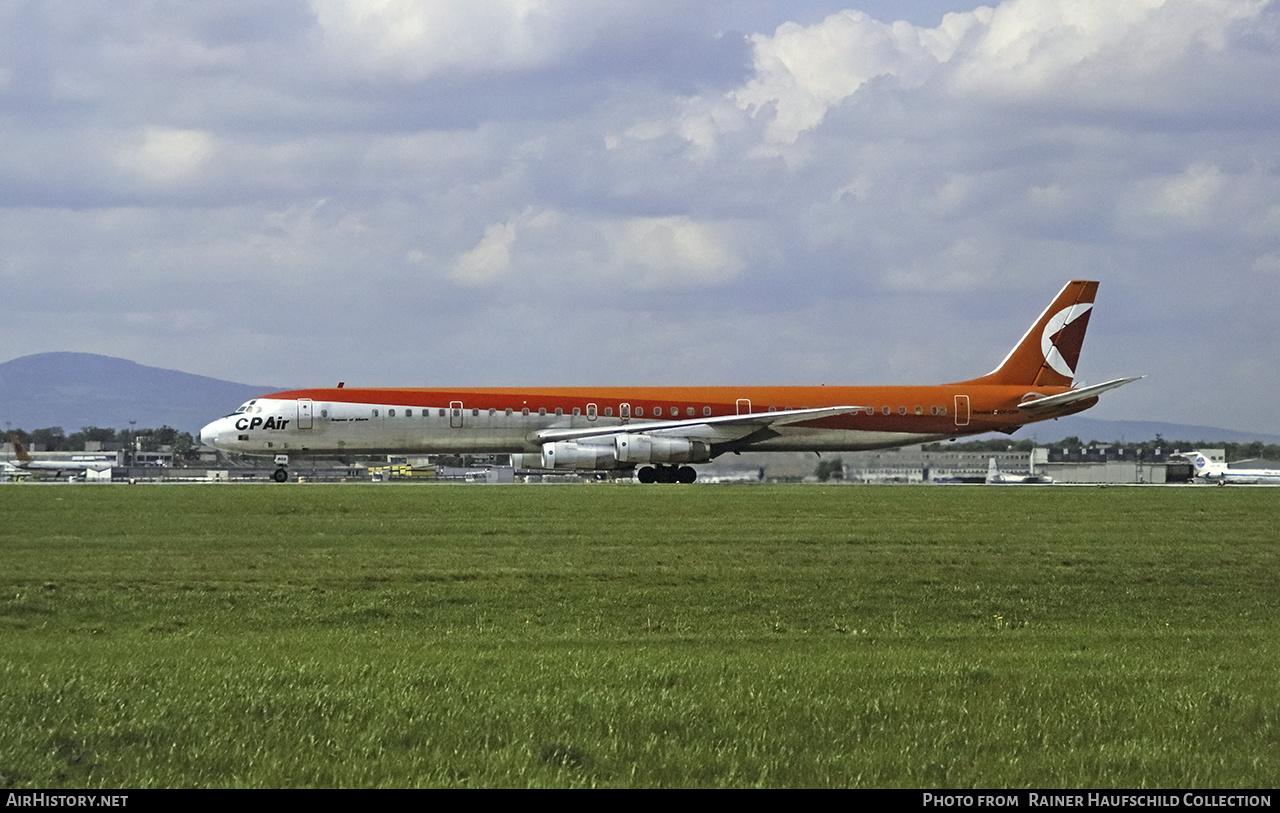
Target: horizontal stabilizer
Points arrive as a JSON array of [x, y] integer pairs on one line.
[[1073, 396]]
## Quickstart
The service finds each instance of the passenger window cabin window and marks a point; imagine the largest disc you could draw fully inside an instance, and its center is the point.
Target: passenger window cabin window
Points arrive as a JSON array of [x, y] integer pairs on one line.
[[657, 412], [773, 409], [577, 411], [639, 412], [885, 410], [902, 410], [375, 413], [542, 410], [442, 413], [475, 413], [919, 410], [525, 412], [706, 412], [324, 413], [391, 413], [559, 411], [492, 412], [689, 412], [508, 412], [608, 412]]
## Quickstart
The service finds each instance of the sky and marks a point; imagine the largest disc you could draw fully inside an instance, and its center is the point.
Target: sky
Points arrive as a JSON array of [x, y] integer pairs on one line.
[[571, 192]]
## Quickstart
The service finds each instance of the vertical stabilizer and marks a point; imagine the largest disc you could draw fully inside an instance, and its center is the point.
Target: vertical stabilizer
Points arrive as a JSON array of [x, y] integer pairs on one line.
[[19, 451], [993, 472], [1047, 354]]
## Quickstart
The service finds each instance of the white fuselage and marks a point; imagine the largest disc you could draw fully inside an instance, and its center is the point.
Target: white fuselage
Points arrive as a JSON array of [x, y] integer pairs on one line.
[[268, 426]]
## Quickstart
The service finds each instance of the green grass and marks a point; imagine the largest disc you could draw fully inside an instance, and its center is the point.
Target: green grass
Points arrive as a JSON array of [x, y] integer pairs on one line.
[[618, 635]]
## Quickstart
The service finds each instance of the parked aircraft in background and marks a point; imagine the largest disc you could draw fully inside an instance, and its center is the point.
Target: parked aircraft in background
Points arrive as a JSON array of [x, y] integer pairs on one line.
[[663, 430], [23, 464], [997, 477], [1209, 467]]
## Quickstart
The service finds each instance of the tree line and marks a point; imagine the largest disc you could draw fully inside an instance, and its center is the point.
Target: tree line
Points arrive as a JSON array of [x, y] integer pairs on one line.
[[56, 439]]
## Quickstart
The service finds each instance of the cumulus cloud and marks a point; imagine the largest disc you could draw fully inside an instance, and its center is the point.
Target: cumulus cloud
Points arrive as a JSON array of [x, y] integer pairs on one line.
[[490, 259], [802, 71], [167, 155], [671, 252], [546, 248], [1021, 48], [413, 40]]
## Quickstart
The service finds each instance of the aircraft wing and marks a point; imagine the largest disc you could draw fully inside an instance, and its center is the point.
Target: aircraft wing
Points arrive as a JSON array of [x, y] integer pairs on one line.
[[1072, 396], [719, 429]]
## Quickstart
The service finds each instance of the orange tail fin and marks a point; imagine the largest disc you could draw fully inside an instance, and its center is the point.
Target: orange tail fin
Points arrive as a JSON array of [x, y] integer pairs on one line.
[[1046, 355]]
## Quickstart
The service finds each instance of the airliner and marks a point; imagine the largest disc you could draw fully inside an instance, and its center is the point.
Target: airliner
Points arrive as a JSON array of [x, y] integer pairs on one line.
[[995, 477], [25, 464], [1212, 468], [659, 433]]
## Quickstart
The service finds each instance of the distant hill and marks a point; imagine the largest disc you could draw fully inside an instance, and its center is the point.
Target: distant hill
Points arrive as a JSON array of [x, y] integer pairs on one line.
[[1088, 429], [74, 390]]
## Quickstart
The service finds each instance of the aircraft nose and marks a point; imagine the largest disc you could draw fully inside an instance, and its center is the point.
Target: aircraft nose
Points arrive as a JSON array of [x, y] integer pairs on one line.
[[209, 434]]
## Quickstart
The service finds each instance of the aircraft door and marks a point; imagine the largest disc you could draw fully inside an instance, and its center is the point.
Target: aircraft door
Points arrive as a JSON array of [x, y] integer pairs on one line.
[[455, 414], [304, 413], [962, 410], [744, 406], [624, 412]]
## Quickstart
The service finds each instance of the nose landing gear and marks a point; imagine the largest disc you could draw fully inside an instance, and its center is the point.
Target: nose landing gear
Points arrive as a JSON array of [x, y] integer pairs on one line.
[[281, 474]]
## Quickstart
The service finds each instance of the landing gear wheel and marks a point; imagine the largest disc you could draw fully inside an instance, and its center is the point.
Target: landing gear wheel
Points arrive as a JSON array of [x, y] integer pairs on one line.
[[280, 475], [647, 475], [687, 474]]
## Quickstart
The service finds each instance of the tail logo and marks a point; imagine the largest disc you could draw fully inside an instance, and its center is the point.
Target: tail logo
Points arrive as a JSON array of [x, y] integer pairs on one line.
[[1063, 337]]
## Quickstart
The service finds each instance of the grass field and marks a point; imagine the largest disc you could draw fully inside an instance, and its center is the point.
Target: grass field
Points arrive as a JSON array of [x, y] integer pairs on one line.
[[619, 635]]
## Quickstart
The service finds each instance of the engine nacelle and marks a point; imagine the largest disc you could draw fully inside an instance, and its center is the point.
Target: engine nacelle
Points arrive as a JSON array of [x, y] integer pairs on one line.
[[632, 448], [620, 451], [568, 454]]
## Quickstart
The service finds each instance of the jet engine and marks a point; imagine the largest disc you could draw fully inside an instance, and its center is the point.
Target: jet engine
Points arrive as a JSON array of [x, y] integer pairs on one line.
[[650, 449], [620, 451], [568, 454]]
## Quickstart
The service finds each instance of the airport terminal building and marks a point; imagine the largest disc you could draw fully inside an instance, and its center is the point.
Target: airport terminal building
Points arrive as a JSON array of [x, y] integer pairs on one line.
[[1115, 463]]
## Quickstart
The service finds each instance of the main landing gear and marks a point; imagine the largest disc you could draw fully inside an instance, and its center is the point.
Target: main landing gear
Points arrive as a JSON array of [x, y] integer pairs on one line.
[[667, 474]]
